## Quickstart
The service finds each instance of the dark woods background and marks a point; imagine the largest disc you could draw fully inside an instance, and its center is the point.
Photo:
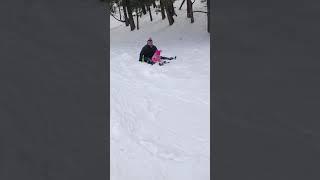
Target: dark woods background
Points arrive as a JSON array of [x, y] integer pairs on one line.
[[129, 11]]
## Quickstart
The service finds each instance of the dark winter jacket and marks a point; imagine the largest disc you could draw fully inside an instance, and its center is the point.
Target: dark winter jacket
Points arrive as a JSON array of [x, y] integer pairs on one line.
[[147, 52]]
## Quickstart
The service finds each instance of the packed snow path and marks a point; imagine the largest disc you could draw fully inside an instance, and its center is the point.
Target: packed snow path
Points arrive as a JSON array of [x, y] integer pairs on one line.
[[160, 115]]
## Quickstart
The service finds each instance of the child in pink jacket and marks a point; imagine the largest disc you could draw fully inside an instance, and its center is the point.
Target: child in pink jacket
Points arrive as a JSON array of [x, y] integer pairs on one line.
[[156, 58]]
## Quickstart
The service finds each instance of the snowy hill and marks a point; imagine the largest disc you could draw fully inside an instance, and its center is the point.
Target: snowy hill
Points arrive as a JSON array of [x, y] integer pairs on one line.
[[160, 115]]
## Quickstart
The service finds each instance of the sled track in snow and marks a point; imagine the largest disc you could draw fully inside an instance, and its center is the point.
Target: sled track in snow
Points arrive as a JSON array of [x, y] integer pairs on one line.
[[135, 82]]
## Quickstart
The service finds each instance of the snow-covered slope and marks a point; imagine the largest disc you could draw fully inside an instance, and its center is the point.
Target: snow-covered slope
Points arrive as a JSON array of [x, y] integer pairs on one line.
[[160, 121]]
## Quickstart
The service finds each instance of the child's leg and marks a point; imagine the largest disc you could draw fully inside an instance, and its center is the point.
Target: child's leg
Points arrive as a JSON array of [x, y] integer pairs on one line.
[[149, 61], [168, 58]]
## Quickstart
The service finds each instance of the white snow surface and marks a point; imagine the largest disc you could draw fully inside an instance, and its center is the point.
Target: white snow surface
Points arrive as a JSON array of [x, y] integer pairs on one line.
[[160, 115]]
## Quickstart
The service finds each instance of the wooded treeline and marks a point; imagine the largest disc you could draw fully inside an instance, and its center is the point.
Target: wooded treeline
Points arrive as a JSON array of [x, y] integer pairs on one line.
[[129, 11]]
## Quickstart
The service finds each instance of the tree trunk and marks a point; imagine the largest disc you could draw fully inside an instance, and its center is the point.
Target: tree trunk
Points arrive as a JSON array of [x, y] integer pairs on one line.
[[154, 4], [191, 11], [181, 4], [120, 12], [125, 15], [143, 9], [131, 21], [169, 10], [137, 19], [170, 18], [162, 9], [150, 13], [188, 8], [172, 8]]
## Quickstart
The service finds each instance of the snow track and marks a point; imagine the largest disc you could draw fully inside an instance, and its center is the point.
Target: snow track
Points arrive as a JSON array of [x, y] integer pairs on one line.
[[160, 114]]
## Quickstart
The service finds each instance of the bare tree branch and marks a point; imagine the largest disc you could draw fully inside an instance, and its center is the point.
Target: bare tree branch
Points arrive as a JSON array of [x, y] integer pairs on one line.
[[116, 18], [181, 4], [200, 11]]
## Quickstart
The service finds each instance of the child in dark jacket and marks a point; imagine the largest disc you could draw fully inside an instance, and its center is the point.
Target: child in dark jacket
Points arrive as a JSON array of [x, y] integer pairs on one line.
[[148, 51]]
